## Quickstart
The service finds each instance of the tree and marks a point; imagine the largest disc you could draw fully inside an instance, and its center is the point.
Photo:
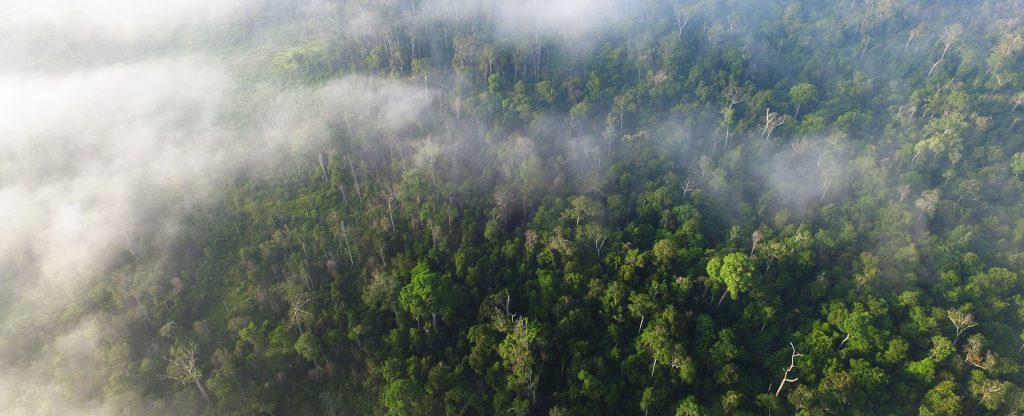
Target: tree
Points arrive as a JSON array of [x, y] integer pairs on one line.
[[734, 95], [785, 375], [945, 135], [656, 340], [915, 32], [941, 400], [621, 104], [340, 231], [425, 294], [801, 94], [1017, 99], [583, 207], [949, 36], [389, 195], [928, 201], [976, 355], [308, 347], [689, 407], [404, 397], [641, 305], [182, 367], [596, 233], [990, 393], [771, 121], [734, 271], [962, 321], [381, 291], [518, 355], [869, 270], [517, 106], [1017, 164]]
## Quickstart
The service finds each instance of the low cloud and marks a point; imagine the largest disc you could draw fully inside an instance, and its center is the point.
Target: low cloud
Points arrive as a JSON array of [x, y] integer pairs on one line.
[[561, 20], [116, 20], [96, 154]]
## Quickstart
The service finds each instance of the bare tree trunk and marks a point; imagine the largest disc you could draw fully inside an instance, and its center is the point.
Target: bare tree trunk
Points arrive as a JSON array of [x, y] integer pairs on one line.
[[785, 376], [944, 50], [348, 249], [202, 390], [391, 217], [598, 244], [323, 168], [344, 195], [866, 43], [355, 177]]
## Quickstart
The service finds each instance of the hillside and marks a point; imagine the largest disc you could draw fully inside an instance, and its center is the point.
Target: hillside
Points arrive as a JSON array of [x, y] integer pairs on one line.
[[471, 207]]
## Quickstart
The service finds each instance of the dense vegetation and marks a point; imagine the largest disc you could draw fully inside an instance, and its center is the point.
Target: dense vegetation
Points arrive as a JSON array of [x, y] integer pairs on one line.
[[721, 207]]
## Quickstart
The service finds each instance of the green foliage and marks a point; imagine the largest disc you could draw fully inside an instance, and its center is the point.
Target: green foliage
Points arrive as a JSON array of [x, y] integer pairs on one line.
[[403, 398], [734, 271], [307, 346], [426, 294], [518, 355], [801, 94], [941, 400], [1017, 164], [550, 234]]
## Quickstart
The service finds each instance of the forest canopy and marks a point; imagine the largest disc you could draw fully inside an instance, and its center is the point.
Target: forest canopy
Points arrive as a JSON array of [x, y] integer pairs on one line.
[[565, 207]]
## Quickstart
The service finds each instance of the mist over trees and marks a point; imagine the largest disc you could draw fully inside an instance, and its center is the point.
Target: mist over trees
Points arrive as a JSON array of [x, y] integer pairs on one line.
[[541, 207]]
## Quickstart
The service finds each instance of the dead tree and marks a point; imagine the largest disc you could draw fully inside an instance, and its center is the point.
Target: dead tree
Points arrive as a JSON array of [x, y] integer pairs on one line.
[[1018, 99], [689, 186], [355, 177], [843, 342], [181, 367], [927, 202], [949, 36], [771, 121], [785, 376], [735, 95], [755, 238], [974, 353], [599, 242], [831, 177], [298, 312], [867, 41], [389, 197], [323, 167], [340, 232], [682, 18], [962, 321], [835, 138], [610, 133], [348, 248], [914, 33], [904, 191], [989, 390]]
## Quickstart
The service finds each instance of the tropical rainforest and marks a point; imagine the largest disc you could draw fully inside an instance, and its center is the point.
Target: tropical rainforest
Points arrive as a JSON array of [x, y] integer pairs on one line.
[[443, 207]]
